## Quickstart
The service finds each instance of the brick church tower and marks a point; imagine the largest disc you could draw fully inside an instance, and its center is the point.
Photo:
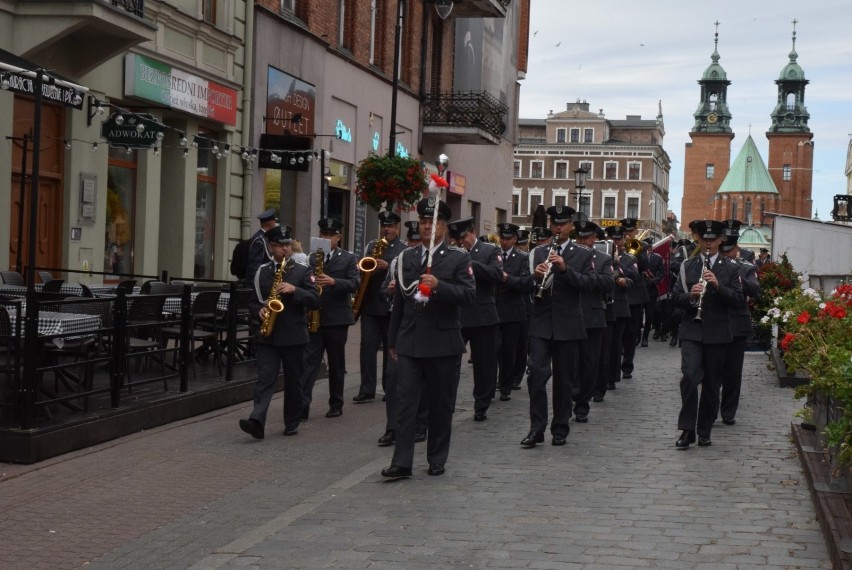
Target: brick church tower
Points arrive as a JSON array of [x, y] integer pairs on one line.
[[708, 157], [791, 149]]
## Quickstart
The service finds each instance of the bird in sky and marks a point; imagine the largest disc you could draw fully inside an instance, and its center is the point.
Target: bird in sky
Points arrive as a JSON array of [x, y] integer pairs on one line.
[[558, 44], [535, 33]]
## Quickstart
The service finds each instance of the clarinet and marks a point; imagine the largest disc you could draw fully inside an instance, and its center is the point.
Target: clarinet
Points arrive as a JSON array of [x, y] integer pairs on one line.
[[703, 282], [539, 294]]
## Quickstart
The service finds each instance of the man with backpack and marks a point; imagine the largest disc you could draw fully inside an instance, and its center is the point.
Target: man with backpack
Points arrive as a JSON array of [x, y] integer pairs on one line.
[[251, 253]]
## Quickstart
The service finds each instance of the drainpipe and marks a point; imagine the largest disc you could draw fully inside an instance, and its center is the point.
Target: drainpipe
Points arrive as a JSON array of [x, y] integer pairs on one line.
[[424, 47], [248, 163]]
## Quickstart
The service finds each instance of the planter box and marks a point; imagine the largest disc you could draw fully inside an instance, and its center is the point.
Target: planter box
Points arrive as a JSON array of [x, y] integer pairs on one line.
[[787, 379]]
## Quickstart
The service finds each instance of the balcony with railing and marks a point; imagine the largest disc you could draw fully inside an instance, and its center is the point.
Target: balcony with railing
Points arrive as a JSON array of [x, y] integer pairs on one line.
[[77, 36], [481, 8], [474, 117]]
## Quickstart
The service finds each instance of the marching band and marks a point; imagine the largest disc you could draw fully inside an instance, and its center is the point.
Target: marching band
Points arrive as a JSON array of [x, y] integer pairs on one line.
[[571, 302]]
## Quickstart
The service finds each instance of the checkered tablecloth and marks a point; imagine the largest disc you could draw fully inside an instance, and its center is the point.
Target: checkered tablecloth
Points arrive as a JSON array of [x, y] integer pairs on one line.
[[53, 323], [66, 289], [172, 304]]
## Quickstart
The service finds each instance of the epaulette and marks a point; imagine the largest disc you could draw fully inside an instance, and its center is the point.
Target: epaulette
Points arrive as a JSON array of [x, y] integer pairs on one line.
[[456, 248]]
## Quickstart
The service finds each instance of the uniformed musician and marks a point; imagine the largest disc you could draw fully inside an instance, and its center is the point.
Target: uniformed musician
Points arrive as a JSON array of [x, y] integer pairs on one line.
[[425, 338], [626, 273], [708, 289], [339, 280], [285, 346], [637, 296], [556, 327]]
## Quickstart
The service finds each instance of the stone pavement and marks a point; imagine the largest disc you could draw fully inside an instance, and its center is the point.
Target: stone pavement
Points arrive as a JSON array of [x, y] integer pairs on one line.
[[201, 494]]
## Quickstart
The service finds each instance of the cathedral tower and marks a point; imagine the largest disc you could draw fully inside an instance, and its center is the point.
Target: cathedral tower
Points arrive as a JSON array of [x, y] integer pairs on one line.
[[791, 149], [708, 157]]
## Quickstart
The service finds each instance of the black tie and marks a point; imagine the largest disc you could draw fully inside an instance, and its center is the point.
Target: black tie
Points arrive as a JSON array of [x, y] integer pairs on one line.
[[423, 258], [505, 256], [328, 257]]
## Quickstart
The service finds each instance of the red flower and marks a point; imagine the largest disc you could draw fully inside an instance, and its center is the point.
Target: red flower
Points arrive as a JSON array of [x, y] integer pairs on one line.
[[804, 317], [787, 341]]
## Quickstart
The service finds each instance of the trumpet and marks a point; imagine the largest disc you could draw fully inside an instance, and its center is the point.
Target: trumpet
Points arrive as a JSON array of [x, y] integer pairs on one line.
[[539, 294], [634, 246], [703, 282]]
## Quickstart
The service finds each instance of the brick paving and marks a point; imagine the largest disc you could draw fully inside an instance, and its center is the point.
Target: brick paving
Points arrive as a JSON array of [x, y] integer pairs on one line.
[[200, 494]]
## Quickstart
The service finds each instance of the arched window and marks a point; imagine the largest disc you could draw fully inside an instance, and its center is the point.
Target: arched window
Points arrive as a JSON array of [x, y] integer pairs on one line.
[[714, 97], [791, 101], [748, 212], [734, 205]]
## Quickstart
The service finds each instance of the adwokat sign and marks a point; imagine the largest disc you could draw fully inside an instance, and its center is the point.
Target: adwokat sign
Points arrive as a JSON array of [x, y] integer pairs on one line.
[[128, 134]]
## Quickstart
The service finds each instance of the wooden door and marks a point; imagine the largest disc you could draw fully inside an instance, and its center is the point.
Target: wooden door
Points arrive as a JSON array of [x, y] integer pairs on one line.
[[51, 201]]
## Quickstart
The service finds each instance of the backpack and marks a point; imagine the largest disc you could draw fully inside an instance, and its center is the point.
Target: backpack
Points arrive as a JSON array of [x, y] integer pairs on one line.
[[239, 258]]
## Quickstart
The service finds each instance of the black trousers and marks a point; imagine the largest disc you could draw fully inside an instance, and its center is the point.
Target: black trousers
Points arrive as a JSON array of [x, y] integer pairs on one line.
[[374, 334], [437, 380], [587, 377], [650, 310], [270, 359], [483, 341], [510, 334], [332, 341], [564, 356], [604, 360], [522, 353], [616, 347], [391, 405], [732, 377], [702, 366], [628, 339]]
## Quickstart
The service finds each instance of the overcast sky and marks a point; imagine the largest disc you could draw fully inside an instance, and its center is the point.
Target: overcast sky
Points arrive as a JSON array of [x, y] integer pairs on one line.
[[625, 55]]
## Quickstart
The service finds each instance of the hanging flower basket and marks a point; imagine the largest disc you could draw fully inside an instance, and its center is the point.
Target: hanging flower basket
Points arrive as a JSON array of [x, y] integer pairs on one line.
[[385, 182]]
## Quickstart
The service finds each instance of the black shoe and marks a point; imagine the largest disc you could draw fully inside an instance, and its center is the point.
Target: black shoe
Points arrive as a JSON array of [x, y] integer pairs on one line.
[[419, 437], [644, 342], [558, 440], [704, 441], [388, 439], [505, 396], [252, 427], [686, 438], [305, 414], [627, 375], [436, 469], [334, 413], [598, 398], [480, 417], [396, 472], [532, 439], [291, 431], [729, 421], [581, 418], [673, 342], [610, 385], [361, 398], [516, 386], [663, 338]]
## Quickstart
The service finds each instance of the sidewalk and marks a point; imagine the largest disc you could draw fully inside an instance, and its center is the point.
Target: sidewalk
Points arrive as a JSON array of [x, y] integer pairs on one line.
[[201, 494]]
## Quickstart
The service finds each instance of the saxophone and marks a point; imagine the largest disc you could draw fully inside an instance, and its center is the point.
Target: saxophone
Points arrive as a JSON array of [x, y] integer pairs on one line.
[[274, 305], [314, 314], [367, 265]]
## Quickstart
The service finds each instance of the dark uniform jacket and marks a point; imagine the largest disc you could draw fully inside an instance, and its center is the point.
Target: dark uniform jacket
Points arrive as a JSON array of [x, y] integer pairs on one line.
[[557, 315], [657, 267], [487, 263], [717, 304], [257, 254], [434, 329], [374, 302], [336, 306], [511, 294], [291, 325], [638, 293], [594, 301], [741, 316], [627, 268]]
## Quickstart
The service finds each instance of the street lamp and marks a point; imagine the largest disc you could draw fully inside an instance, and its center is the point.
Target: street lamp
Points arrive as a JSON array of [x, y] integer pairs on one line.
[[580, 184]]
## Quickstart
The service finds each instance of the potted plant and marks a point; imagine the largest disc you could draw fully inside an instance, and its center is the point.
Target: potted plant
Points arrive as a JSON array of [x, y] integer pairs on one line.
[[387, 182]]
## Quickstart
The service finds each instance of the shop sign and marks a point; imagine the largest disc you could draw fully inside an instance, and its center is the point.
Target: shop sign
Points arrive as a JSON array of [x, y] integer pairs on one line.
[[605, 222], [457, 183], [290, 104], [128, 134], [343, 132], [401, 150], [156, 81]]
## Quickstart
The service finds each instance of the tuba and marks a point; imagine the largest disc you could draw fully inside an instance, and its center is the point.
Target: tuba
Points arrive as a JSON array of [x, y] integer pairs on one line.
[[274, 305], [314, 314], [367, 265]]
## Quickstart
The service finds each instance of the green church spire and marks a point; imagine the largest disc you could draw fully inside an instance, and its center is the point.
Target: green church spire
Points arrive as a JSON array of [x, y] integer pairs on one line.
[[713, 115], [790, 114]]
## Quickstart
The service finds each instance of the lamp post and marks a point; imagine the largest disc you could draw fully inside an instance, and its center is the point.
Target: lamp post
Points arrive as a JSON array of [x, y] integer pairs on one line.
[[580, 184]]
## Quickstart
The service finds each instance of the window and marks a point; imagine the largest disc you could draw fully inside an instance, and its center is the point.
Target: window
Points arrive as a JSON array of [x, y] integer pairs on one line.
[[634, 170], [560, 197], [121, 199], [561, 169], [734, 207], [710, 170], [608, 207], [517, 172], [587, 166], [791, 102], [208, 11], [205, 214], [535, 197], [714, 97], [585, 205], [537, 169], [632, 207], [588, 135], [610, 170], [788, 172], [288, 5], [373, 10], [560, 135], [516, 202], [748, 212], [575, 135]]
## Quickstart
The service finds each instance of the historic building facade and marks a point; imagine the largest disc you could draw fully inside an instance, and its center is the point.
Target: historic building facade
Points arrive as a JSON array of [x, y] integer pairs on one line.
[[748, 189], [626, 164]]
